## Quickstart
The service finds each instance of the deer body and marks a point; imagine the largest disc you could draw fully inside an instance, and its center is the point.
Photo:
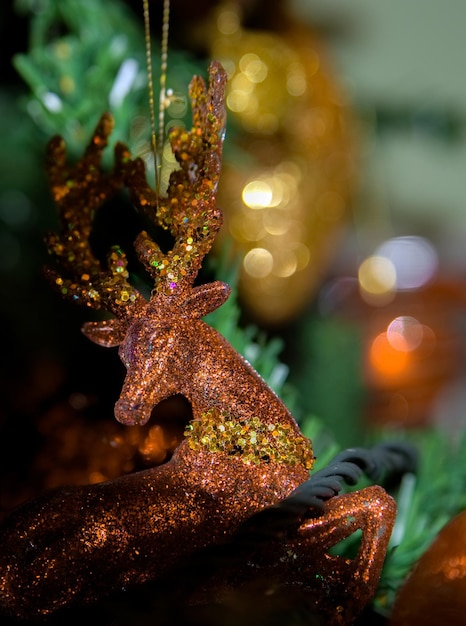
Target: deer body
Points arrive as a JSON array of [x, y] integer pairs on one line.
[[77, 545]]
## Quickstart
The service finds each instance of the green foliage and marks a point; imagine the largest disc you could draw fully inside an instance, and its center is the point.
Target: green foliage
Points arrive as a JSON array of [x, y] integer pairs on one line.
[[326, 367], [261, 351], [79, 52], [426, 502]]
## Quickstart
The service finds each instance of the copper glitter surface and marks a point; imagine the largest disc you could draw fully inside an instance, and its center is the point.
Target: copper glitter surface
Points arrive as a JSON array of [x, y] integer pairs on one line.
[[336, 588], [77, 545], [242, 451], [435, 590], [79, 191]]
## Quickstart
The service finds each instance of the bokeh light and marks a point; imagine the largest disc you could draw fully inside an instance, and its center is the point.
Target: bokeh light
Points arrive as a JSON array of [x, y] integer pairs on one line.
[[286, 195], [377, 279], [257, 194], [405, 333], [258, 262], [414, 259], [124, 82], [399, 264], [386, 360]]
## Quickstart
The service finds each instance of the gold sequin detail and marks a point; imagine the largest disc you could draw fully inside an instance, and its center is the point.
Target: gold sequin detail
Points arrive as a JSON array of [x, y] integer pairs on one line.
[[79, 191], [252, 440], [189, 210]]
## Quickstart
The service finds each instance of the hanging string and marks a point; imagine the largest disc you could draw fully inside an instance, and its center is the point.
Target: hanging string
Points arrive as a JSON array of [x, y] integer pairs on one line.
[[163, 82], [157, 141]]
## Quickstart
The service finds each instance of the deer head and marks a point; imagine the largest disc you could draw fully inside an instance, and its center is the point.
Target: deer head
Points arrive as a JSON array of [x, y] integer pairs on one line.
[[144, 329]]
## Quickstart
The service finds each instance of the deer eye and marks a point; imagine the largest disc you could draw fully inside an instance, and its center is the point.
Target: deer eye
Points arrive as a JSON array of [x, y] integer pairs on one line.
[[127, 350]]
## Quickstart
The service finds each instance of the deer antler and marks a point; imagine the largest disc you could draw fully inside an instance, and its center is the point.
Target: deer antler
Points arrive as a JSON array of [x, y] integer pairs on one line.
[[79, 191], [189, 210]]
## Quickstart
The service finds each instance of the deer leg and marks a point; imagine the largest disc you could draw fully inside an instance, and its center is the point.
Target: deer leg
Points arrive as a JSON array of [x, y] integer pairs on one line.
[[341, 586], [74, 546], [298, 561]]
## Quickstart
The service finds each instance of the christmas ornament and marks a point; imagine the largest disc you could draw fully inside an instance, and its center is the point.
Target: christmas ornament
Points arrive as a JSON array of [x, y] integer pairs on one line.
[[241, 455], [286, 195], [412, 346], [414, 353], [435, 590]]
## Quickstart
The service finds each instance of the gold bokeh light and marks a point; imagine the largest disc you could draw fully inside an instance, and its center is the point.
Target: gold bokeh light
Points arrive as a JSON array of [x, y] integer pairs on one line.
[[286, 196]]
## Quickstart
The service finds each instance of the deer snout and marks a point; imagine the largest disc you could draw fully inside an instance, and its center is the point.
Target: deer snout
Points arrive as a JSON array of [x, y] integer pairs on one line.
[[132, 413]]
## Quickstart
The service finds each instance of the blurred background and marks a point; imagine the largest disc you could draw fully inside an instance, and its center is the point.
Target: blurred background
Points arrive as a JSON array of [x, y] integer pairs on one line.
[[344, 197]]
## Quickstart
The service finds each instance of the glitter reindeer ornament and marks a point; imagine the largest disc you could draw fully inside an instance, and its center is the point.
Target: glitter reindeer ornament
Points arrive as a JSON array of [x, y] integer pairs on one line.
[[241, 454]]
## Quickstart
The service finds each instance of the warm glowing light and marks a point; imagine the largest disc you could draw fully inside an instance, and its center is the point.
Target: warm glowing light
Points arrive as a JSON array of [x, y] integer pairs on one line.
[[258, 262], [273, 191], [242, 83], [303, 256], [160, 442], [386, 360], [257, 194], [405, 333], [279, 190], [414, 259], [241, 99], [96, 477], [253, 67], [377, 277], [276, 222], [238, 100], [296, 83], [285, 262], [290, 172], [228, 22]]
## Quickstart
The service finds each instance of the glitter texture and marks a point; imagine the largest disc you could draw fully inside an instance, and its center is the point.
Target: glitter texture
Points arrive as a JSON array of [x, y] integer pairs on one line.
[[242, 451], [76, 545], [434, 591], [79, 191], [337, 588], [250, 440]]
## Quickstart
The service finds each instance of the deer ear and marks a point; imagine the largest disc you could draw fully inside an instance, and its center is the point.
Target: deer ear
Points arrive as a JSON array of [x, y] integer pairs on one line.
[[108, 333], [206, 298]]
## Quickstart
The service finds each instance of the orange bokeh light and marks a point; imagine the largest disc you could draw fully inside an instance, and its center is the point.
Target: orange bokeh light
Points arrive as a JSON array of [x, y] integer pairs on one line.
[[385, 359]]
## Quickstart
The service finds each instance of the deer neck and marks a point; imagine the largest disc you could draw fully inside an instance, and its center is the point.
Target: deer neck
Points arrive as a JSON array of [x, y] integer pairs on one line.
[[235, 411]]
